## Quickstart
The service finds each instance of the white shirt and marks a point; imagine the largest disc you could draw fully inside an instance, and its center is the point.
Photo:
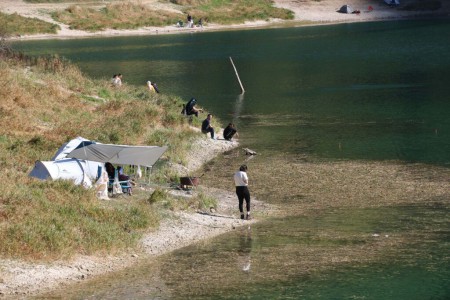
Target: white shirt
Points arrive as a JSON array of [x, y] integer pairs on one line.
[[240, 178]]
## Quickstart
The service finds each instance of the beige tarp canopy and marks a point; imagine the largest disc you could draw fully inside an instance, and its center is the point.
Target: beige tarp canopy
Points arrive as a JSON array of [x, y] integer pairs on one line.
[[145, 156]]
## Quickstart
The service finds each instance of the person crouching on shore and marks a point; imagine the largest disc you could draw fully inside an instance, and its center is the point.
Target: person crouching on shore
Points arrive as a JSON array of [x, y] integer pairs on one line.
[[229, 132]]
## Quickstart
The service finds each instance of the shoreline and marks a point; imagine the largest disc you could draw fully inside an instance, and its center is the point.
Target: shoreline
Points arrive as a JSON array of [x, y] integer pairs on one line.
[[178, 230], [169, 30], [306, 13], [181, 229]]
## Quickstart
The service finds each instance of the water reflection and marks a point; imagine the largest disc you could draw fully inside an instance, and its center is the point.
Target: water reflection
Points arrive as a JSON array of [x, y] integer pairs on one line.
[[238, 108], [245, 249]]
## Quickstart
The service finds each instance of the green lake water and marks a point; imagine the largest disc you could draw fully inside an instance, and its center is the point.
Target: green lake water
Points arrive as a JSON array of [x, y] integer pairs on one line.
[[361, 109]]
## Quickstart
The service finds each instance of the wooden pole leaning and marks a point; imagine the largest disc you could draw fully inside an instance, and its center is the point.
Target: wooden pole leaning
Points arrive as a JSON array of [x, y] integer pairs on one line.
[[237, 75]]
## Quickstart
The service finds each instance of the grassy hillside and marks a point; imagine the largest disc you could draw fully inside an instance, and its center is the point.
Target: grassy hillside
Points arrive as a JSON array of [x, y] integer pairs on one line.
[[131, 15], [99, 15], [18, 25], [47, 101]]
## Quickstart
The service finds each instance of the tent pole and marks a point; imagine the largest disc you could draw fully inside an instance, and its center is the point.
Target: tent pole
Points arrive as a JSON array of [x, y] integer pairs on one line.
[[237, 75]]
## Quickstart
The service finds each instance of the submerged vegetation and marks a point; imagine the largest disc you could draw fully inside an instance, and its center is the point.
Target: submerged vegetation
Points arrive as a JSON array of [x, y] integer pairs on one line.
[[47, 101]]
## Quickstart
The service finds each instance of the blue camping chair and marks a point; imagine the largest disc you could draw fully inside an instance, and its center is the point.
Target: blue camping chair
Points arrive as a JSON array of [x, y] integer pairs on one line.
[[125, 185]]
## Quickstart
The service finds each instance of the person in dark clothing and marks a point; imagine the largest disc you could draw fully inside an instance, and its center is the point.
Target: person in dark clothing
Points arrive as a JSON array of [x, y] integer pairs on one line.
[[190, 109], [206, 126], [229, 132], [155, 87], [110, 170]]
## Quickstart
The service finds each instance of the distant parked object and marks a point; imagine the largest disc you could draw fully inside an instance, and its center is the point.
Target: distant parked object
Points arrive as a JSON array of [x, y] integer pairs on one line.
[[346, 9], [392, 2]]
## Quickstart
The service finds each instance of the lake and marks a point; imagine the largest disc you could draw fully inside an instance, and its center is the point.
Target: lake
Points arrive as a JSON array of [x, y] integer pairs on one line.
[[352, 129]]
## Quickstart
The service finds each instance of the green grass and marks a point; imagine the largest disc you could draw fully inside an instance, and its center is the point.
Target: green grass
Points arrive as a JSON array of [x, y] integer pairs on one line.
[[18, 25], [46, 101], [47, 220]]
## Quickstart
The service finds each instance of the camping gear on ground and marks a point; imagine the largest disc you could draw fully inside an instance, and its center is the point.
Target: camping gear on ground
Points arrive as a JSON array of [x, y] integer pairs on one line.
[[82, 161], [346, 9], [190, 181], [101, 186], [117, 187]]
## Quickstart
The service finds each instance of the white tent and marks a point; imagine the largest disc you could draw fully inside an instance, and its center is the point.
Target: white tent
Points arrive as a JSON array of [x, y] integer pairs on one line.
[[81, 172], [83, 161], [346, 9], [68, 147]]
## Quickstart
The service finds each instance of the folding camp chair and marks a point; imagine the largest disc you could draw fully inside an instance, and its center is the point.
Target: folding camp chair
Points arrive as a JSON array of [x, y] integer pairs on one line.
[[116, 187]]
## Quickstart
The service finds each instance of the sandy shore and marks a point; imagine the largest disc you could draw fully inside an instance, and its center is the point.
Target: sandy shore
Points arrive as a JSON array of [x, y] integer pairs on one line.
[[305, 13], [19, 278]]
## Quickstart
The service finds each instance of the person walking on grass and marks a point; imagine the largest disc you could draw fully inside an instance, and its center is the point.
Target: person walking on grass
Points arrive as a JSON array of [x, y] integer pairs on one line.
[[242, 192], [206, 126]]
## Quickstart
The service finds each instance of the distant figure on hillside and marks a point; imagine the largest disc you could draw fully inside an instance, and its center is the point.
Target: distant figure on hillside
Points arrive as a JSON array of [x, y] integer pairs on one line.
[[190, 109], [117, 80], [190, 22], [155, 87], [229, 132], [150, 86]]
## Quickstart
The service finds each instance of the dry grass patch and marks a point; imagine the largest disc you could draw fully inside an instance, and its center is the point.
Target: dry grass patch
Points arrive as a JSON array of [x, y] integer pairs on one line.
[[17, 25], [125, 15], [232, 12], [45, 103]]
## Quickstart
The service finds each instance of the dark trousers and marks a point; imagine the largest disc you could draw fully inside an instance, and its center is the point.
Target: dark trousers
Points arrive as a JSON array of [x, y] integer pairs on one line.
[[210, 130], [192, 113], [243, 193]]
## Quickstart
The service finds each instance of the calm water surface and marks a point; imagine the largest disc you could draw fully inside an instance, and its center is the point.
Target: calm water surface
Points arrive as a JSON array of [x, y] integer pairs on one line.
[[352, 92]]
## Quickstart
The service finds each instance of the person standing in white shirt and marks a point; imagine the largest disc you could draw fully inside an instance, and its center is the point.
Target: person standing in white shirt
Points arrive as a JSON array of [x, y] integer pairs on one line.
[[242, 192]]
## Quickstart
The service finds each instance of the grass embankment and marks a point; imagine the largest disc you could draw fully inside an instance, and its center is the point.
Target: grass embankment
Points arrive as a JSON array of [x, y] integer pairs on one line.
[[45, 103], [18, 25], [131, 15], [55, 1]]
